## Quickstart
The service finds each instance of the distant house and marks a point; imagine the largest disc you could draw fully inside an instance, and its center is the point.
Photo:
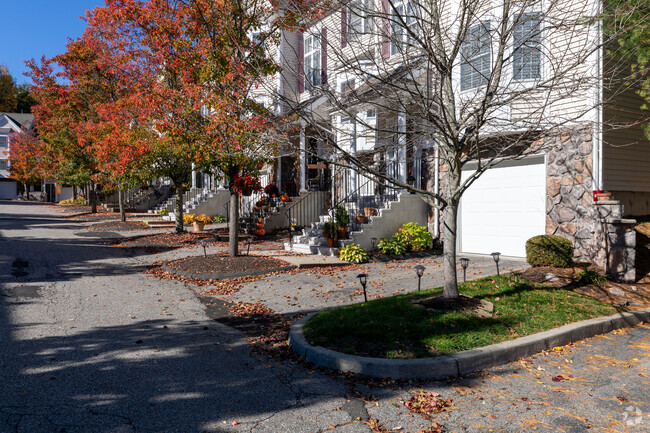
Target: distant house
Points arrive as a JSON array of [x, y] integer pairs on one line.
[[10, 123]]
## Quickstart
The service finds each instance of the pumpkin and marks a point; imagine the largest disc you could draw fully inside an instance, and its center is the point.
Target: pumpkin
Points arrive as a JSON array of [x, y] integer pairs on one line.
[[259, 232], [260, 220]]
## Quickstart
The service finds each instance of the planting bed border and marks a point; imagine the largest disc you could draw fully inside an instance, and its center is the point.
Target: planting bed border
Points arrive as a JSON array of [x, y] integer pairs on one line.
[[213, 276], [460, 363]]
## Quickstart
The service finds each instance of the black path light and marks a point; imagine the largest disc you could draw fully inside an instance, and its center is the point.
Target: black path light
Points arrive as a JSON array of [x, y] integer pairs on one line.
[[203, 245], [374, 242], [464, 262], [495, 256], [419, 269], [363, 279]]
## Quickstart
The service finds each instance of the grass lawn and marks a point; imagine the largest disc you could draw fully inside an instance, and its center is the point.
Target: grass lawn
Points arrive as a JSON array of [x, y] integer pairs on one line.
[[395, 328]]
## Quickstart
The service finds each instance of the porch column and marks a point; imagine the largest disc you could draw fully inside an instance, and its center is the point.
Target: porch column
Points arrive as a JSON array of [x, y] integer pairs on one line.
[[278, 174], [401, 144], [303, 159], [193, 176]]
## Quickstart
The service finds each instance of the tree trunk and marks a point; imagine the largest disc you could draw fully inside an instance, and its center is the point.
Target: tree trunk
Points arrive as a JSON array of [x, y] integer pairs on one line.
[[179, 208], [93, 198], [74, 193], [450, 215], [120, 198], [233, 225]]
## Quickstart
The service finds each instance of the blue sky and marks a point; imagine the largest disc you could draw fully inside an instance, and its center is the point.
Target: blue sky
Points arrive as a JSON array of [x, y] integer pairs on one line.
[[35, 27]]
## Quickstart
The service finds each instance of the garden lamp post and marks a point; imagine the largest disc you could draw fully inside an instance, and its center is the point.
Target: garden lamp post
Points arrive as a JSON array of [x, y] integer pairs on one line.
[[363, 279], [249, 241], [374, 242], [464, 262], [495, 256], [419, 269], [203, 245]]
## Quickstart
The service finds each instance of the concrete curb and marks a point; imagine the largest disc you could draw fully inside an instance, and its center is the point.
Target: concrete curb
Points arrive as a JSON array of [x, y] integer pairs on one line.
[[461, 363], [210, 276]]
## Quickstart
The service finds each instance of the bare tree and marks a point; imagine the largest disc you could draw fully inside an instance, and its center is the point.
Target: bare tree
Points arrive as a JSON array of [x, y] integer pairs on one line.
[[480, 81]]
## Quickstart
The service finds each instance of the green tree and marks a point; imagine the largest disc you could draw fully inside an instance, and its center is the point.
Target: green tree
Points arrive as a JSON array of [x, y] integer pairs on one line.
[[8, 101], [24, 100]]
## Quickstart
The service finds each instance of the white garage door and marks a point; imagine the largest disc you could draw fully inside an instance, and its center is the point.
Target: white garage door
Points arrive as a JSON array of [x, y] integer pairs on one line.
[[503, 208], [7, 190]]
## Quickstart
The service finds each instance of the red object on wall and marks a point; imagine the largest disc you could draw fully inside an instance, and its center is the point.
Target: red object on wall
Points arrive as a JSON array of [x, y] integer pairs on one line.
[[596, 192]]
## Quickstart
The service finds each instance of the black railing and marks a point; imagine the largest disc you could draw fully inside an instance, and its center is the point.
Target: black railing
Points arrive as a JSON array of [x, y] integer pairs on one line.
[[306, 210]]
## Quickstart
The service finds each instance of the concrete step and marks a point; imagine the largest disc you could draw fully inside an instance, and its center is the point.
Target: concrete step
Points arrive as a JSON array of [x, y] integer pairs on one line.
[[160, 223]]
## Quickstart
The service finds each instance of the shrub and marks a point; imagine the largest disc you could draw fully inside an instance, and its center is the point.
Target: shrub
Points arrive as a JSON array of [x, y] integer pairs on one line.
[[391, 246], [591, 276], [549, 250], [341, 217], [353, 253], [163, 211], [80, 201], [188, 218], [329, 230], [414, 237], [203, 218], [218, 218]]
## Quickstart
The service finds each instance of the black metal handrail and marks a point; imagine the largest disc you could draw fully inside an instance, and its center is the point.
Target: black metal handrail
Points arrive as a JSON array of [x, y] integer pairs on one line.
[[302, 212]]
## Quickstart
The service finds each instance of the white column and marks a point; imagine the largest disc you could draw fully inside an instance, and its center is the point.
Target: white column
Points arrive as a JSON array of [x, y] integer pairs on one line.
[[193, 177], [278, 174], [303, 159], [401, 144]]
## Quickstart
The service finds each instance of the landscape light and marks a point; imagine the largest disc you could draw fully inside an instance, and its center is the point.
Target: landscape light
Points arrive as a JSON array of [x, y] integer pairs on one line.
[[363, 279], [464, 262], [495, 256], [419, 269]]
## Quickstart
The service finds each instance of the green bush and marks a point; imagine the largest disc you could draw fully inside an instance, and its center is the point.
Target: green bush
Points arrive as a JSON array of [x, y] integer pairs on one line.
[[414, 237], [549, 250], [391, 246], [329, 230], [591, 276], [218, 218], [353, 253], [163, 211], [341, 217]]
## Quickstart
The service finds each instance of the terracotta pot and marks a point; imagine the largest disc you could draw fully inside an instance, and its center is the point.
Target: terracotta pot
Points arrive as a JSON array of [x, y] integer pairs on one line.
[[369, 211], [360, 219], [198, 226], [330, 243], [342, 232], [604, 196]]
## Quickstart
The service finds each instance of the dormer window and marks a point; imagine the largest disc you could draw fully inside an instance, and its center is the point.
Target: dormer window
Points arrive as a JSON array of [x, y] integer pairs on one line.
[[312, 61]]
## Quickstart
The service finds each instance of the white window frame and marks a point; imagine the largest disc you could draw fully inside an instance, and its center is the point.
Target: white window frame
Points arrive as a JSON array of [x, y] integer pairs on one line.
[[4, 141], [312, 59], [531, 59], [359, 23], [400, 40], [475, 54], [4, 164]]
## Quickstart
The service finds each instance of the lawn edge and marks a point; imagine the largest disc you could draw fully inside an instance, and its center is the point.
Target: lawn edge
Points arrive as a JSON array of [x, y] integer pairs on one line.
[[460, 363]]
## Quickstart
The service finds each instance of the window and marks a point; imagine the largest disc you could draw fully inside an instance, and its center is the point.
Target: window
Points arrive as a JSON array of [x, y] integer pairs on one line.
[[371, 114], [312, 61], [3, 164], [344, 120], [359, 23], [476, 62], [527, 39], [347, 87], [400, 38], [3, 141]]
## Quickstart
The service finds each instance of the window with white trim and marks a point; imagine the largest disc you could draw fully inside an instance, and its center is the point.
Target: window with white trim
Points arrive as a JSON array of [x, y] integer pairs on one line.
[[312, 61], [476, 62], [3, 141], [359, 21], [527, 53], [403, 14], [3, 164]]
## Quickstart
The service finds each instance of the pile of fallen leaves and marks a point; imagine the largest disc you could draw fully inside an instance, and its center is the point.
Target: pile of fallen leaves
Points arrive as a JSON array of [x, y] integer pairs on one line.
[[426, 403], [221, 287], [170, 239]]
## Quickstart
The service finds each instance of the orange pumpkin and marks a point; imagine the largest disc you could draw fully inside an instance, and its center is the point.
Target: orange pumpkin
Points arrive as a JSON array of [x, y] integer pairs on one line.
[[259, 232]]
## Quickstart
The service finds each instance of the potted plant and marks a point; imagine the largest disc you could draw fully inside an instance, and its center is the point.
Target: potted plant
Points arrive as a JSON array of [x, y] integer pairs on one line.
[[342, 222], [246, 184], [329, 233], [271, 190], [200, 221]]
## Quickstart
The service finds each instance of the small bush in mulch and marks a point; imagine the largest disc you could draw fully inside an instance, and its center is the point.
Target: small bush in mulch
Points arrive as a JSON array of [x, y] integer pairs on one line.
[[221, 264], [120, 225], [167, 240], [549, 250]]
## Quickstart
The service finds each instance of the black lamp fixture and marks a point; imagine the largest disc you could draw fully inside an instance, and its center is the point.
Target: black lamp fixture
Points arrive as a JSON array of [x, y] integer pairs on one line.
[[203, 245], [419, 269], [496, 256], [363, 279], [374, 242], [464, 262]]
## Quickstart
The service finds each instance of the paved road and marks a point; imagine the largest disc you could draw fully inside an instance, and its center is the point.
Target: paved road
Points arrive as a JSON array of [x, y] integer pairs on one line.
[[90, 344]]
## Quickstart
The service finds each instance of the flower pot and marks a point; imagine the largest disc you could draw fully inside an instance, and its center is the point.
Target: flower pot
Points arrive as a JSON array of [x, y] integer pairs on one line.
[[330, 243], [198, 226], [246, 192], [342, 232], [360, 219], [369, 211]]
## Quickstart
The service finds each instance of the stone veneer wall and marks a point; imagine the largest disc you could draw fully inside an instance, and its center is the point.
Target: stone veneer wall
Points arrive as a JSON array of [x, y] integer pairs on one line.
[[598, 233]]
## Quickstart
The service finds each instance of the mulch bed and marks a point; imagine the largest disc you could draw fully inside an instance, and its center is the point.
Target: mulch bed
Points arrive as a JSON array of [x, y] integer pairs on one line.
[[120, 225], [215, 265], [167, 240], [636, 294], [438, 302]]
